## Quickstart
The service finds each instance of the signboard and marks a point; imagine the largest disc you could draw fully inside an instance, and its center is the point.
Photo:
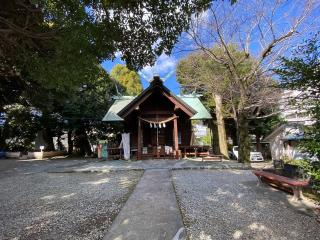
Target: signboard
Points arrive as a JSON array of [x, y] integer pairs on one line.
[[201, 135], [200, 130]]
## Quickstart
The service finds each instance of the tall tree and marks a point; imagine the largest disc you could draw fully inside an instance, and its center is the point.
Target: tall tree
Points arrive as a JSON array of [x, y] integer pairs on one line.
[[19, 129], [128, 79], [60, 43], [262, 31], [83, 110], [197, 73], [50, 48], [214, 80]]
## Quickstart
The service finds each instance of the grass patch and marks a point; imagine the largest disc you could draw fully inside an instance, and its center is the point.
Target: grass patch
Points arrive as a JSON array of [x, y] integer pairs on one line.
[[309, 193]]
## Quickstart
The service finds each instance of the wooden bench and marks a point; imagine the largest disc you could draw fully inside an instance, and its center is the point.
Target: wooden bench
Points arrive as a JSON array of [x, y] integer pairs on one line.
[[195, 151], [295, 185]]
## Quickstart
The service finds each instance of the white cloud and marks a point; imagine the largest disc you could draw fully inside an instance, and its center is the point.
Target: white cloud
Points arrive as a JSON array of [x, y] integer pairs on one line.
[[164, 66], [203, 16], [118, 54]]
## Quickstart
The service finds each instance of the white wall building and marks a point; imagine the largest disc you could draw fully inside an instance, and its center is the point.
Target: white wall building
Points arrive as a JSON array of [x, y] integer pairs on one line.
[[284, 138]]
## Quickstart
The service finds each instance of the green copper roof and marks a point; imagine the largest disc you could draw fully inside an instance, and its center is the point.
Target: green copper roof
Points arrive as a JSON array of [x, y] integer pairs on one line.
[[120, 103], [196, 104], [191, 100]]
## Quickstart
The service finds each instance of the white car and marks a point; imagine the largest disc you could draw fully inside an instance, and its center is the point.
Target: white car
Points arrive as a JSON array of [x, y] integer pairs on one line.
[[254, 156]]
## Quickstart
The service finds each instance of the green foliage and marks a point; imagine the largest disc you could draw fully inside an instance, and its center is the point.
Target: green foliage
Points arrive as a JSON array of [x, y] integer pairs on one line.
[[213, 74], [198, 72], [60, 43], [311, 142], [261, 127], [83, 110], [303, 164], [206, 140], [310, 168], [201, 140], [51, 49], [20, 127], [78, 110], [128, 79]]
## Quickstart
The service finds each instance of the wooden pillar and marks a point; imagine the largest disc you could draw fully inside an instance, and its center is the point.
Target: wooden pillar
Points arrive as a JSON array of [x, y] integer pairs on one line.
[[139, 140], [175, 137]]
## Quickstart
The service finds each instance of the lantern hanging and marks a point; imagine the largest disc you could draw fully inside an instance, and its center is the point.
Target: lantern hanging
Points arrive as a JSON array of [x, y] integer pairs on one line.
[[150, 125]]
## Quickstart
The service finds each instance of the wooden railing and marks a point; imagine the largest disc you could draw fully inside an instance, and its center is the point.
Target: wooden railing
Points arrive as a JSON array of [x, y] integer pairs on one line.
[[160, 152]]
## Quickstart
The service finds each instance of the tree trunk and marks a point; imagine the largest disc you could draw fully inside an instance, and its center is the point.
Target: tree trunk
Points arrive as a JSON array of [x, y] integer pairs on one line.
[[214, 137], [244, 142], [70, 142], [48, 139], [221, 127], [82, 142], [2, 139]]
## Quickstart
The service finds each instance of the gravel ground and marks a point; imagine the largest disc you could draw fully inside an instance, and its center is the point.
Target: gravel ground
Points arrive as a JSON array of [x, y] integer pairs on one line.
[[227, 204], [60, 205], [9, 167]]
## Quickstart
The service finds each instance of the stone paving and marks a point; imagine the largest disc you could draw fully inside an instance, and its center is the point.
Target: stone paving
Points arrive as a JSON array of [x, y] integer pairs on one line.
[[120, 165], [151, 212]]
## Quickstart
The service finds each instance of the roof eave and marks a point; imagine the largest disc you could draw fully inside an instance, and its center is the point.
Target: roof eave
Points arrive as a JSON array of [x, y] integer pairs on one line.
[[129, 108]]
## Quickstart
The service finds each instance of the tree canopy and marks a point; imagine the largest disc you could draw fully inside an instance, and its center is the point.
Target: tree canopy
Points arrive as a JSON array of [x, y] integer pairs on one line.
[[60, 42], [128, 79], [221, 90], [247, 25], [199, 72], [51, 51]]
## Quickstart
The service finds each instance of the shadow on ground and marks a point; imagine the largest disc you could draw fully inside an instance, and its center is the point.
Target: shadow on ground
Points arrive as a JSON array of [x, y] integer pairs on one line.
[[43, 205], [227, 204]]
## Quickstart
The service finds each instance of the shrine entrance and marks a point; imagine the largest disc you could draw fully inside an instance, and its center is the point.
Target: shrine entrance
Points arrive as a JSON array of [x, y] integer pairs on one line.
[[159, 122], [157, 138]]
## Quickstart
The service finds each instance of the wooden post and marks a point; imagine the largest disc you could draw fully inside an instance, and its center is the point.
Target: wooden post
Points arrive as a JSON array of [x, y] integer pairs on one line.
[[297, 193], [175, 137], [139, 140]]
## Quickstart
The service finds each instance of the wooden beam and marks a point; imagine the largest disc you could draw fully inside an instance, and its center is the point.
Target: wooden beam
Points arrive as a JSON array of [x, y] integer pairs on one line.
[[175, 136], [157, 112], [125, 112], [139, 140], [179, 105]]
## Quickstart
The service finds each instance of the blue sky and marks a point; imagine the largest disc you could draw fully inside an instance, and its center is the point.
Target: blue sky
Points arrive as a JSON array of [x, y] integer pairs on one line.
[[165, 65]]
